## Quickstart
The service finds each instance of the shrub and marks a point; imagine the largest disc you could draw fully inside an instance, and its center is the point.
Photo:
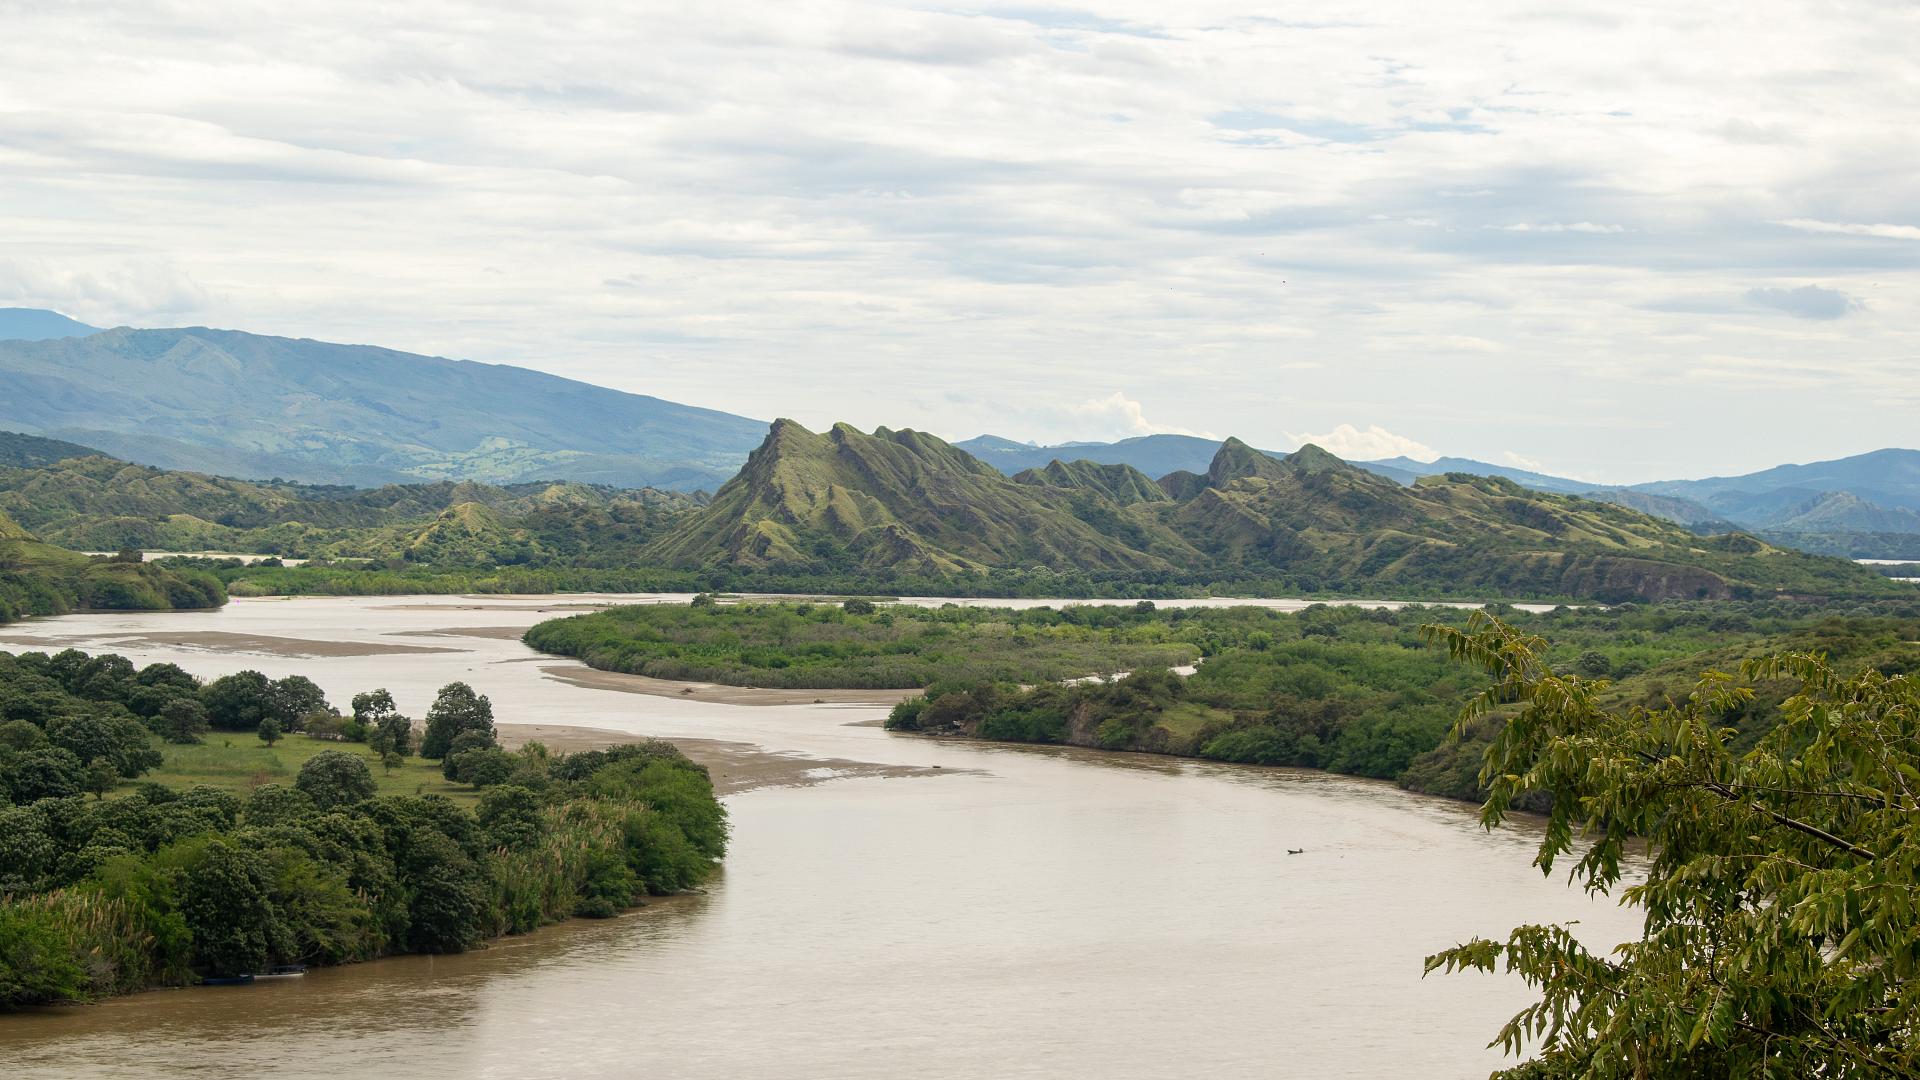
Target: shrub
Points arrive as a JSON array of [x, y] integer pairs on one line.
[[335, 778]]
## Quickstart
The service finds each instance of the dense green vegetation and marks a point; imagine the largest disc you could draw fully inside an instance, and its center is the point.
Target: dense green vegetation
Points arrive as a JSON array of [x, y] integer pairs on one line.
[[110, 883], [1361, 693], [1781, 934], [846, 502], [1348, 689], [857, 645], [39, 579], [903, 512], [370, 579], [97, 503]]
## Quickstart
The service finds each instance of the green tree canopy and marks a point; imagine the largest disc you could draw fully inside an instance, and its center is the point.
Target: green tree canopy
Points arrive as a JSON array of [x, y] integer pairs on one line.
[[238, 702], [335, 778], [1782, 927], [183, 720], [457, 709]]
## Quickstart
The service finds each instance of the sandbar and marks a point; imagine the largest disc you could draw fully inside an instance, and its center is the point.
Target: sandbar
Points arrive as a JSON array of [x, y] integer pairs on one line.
[[595, 679], [736, 766]]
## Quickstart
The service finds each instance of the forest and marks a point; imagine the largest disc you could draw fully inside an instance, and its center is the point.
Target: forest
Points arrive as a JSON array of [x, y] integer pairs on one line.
[[113, 881]]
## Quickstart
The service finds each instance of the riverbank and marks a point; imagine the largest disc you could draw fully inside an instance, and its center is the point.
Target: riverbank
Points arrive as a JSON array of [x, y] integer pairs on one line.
[[736, 767]]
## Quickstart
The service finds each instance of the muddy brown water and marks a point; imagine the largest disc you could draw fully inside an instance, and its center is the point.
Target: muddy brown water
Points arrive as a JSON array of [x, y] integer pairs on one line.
[[1019, 913]]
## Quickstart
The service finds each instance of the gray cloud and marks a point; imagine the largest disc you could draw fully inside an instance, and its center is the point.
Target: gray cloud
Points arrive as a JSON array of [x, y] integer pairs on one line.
[[1805, 302]]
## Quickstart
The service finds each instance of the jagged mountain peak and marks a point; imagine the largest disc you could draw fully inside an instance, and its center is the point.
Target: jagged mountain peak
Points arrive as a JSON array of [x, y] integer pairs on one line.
[[1312, 459], [1235, 460]]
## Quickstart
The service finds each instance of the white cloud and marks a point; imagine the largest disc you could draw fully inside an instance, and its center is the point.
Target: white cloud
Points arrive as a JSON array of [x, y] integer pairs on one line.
[[1562, 227], [1374, 443], [1119, 416], [134, 292], [1844, 228]]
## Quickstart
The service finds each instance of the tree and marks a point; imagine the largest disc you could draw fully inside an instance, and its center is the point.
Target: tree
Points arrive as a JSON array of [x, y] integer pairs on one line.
[[481, 766], [333, 778], [375, 710], [183, 720], [224, 898], [271, 804], [456, 710], [101, 777], [269, 731], [1593, 664], [1781, 930], [857, 606], [510, 814], [122, 741], [369, 706], [398, 732], [391, 760], [293, 698], [238, 702]]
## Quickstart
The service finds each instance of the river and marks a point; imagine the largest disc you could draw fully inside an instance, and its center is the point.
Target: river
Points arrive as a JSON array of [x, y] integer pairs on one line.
[[1021, 913]]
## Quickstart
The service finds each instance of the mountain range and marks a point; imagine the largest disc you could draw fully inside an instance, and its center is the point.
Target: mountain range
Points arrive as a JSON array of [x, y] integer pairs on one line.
[[907, 502], [1867, 505], [239, 404], [36, 324], [897, 509], [229, 403]]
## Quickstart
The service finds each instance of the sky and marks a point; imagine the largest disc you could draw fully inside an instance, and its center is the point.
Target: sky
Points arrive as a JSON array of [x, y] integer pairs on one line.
[[1614, 241]]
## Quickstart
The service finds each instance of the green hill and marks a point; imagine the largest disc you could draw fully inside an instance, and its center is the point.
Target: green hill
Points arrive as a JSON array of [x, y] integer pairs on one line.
[[899, 500], [1123, 484], [239, 404], [19, 451], [40, 579], [98, 503], [908, 502]]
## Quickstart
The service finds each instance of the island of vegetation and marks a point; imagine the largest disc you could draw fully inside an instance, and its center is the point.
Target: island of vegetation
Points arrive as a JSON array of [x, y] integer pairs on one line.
[[1347, 689], [156, 830]]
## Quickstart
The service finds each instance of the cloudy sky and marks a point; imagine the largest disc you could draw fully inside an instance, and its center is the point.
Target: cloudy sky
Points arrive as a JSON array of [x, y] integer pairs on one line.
[[1616, 241]]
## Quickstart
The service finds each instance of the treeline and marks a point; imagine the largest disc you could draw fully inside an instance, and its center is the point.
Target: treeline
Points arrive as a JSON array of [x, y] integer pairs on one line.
[[162, 886], [860, 645], [39, 580], [1361, 692], [372, 578]]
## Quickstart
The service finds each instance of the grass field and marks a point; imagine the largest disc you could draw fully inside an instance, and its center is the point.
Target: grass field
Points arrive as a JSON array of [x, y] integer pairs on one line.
[[238, 761]]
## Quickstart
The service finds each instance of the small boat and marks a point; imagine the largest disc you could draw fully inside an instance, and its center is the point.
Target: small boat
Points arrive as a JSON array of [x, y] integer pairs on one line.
[[283, 971], [228, 980], [1296, 850]]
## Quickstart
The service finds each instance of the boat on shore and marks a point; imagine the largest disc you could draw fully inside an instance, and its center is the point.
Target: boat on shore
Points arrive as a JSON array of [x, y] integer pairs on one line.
[[279, 971]]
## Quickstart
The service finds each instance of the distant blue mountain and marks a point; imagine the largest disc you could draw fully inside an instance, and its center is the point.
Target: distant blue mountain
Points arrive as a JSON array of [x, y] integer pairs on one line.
[[1869, 495], [35, 324], [1155, 455], [253, 406], [1523, 477], [1887, 478]]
